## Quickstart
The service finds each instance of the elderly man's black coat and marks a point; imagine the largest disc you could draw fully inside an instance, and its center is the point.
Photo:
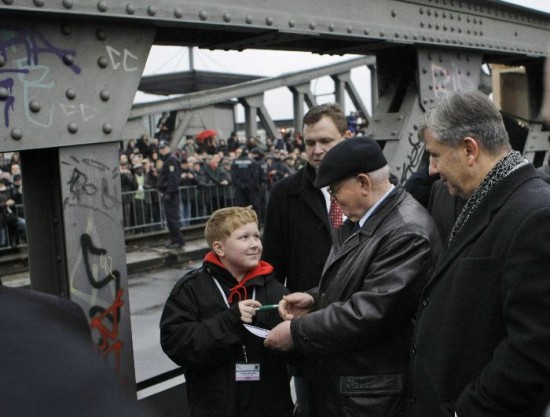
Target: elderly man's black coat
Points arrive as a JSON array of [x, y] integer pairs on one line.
[[482, 341]]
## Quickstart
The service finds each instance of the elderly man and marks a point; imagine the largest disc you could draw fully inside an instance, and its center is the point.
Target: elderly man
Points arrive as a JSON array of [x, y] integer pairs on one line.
[[298, 214], [359, 319], [482, 341]]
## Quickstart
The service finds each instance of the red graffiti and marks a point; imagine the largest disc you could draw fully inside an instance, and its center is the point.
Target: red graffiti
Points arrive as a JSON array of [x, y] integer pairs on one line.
[[109, 341]]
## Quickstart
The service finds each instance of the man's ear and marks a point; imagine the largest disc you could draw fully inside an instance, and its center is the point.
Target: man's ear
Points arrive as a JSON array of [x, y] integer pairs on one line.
[[348, 134], [471, 148], [366, 183], [217, 247]]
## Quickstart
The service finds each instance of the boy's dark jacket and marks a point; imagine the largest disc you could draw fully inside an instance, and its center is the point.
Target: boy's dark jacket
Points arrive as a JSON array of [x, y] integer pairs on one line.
[[205, 337]]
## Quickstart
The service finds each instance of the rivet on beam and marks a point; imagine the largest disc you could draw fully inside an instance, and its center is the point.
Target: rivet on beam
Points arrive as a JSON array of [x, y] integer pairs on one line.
[[70, 93], [72, 127], [16, 134], [105, 95], [35, 106]]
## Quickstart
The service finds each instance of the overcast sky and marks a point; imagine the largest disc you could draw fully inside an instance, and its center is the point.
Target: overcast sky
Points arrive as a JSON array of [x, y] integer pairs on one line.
[[167, 59]]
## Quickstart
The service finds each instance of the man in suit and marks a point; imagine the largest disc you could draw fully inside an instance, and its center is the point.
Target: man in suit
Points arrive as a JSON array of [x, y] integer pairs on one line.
[[297, 233], [482, 341]]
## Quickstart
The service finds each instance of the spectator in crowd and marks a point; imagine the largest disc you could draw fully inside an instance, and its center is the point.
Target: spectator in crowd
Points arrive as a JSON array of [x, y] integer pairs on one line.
[[190, 147], [202, 195], [168, 182], [245, 174], [151, 173], [298, 214], [233, 142], [204, 329], [299, 143], [278, 169], [17, 190], [15, 169], [187, 191], [289, 162], [222, 147], [142, 196], [130, 147], [12, 226], [144, 146], [481, 342], [355, 327], [251, 143], [218, 181], [128, 186]]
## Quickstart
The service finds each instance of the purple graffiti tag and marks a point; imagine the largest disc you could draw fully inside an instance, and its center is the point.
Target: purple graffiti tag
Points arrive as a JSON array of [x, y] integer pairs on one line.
[[35, 44], [36, 36], [9, 101]]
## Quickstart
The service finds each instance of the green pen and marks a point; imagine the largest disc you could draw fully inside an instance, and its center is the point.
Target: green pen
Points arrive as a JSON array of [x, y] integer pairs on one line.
[[267, 307]]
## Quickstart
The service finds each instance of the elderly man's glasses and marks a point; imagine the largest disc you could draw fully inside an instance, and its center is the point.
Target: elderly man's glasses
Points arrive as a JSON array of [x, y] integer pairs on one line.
[[333, 189]]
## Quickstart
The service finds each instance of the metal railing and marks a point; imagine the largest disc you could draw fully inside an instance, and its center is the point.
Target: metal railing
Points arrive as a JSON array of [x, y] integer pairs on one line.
[[143, 213]]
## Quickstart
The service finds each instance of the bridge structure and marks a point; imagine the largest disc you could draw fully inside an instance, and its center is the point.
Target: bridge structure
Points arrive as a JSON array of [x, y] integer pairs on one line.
[[69, 70]]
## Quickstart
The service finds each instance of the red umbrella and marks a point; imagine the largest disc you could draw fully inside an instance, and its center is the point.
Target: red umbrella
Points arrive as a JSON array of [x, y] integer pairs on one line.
[[201, 136]]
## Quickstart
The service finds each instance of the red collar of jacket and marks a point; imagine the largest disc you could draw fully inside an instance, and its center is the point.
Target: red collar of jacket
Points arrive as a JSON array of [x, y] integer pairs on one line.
[[263, 268]]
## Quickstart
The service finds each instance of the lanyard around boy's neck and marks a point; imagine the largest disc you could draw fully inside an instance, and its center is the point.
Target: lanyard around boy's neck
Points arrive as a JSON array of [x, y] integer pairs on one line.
[[243, 347], [223, 294]]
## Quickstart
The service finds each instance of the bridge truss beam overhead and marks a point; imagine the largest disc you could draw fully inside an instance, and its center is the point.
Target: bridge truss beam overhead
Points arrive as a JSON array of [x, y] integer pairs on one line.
[[353, 26]]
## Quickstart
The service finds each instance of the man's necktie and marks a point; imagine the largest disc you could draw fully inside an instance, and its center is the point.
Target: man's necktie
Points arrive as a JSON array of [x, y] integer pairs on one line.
[[335, 214]]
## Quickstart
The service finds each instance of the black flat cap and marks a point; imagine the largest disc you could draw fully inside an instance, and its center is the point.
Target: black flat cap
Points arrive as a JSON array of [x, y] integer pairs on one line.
[[348, 158]]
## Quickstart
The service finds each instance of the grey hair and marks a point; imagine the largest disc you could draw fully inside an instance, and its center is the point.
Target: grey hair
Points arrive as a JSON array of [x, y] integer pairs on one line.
[[380, 175], [466, 113]]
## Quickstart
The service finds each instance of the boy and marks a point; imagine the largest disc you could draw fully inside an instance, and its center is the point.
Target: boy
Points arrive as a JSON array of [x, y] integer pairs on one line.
[[227, 369]]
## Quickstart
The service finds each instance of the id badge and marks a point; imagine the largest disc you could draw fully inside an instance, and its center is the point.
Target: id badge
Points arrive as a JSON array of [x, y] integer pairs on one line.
[[247, 372]]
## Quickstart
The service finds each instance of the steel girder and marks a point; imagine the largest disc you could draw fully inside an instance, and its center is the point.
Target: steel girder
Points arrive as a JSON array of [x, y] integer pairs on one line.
[[348, 26]]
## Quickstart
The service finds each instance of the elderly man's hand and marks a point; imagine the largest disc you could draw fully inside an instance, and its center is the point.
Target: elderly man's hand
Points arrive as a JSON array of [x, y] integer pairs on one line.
[[295, 305], [280, 338]]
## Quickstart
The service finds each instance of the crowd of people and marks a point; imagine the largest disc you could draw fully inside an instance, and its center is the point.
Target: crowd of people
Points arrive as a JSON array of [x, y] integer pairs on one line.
[[385, 313], [355, 289], [12, 218], [214, 173]]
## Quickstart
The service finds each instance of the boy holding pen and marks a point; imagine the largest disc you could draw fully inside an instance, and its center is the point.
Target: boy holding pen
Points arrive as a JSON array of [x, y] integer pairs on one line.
[[228, 370]]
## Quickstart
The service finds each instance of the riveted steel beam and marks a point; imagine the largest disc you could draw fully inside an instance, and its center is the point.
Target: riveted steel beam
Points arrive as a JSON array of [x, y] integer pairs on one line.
[[206, 98], [351, 26], [67, 83]]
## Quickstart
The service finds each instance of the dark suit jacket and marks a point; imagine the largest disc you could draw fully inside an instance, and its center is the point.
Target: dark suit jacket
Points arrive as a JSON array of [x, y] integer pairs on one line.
[[482, 340], [47, 364], [297, 234]]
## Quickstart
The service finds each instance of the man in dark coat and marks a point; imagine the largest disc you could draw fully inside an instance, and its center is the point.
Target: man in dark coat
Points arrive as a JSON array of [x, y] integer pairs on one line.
[[297, 233], [49, 366], [297, 212], [359, 321], [245, 173], [482, 340], [168, 182]]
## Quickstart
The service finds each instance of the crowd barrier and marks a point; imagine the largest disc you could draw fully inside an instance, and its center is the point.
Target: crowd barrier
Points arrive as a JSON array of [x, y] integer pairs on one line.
[[142, 211]]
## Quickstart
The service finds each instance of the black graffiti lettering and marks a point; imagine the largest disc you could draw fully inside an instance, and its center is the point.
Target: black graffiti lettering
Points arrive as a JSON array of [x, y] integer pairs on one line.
[[89, 248], [79, 185]]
